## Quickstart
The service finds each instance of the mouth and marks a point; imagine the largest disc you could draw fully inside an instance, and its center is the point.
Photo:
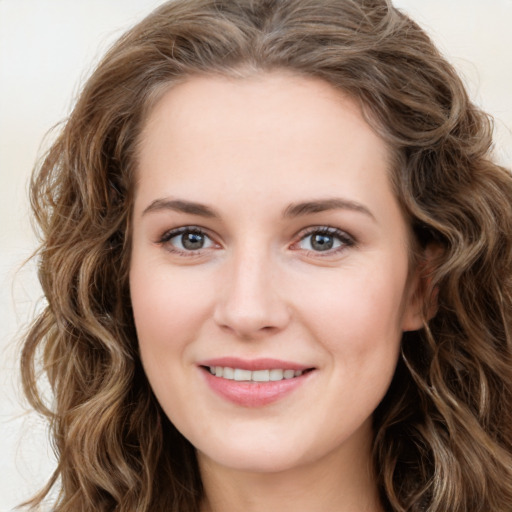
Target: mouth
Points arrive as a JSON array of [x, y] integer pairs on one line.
[[263, 375], [254, 383]]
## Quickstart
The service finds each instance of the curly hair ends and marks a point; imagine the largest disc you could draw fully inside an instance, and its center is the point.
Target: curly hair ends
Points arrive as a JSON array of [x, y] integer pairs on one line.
[[443, 433]]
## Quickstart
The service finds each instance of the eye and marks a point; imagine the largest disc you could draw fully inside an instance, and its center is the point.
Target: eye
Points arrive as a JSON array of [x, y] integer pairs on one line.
[[187, 239], [324, 239]]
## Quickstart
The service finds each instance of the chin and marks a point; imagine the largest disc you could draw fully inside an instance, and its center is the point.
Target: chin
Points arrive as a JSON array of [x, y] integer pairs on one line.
[[255, 457], [251, 462]]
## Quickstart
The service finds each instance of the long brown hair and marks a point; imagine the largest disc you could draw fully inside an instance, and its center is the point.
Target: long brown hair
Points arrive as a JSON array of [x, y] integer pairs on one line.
[[443, 433]]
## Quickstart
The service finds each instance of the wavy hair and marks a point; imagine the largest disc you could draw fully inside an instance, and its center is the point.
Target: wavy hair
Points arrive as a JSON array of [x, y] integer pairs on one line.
[[443, 433]]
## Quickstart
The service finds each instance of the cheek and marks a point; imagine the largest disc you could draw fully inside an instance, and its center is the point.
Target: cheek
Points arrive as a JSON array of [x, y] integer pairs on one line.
[[166, 308], [364, 309], [358, 323], [165, 302]]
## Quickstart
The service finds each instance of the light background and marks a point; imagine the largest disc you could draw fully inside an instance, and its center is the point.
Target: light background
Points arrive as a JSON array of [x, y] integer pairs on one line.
[[47, 48]]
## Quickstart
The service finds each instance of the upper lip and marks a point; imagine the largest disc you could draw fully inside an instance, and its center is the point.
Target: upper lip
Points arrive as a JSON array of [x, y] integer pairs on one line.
[[254, 364]]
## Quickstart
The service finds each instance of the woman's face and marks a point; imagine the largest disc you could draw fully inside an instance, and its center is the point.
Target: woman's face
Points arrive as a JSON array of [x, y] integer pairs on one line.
[[269, 274]]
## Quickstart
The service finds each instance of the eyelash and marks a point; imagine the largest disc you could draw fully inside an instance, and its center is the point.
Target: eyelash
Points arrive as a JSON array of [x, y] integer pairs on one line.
[[166, 238], [346, 240], [343, 238]]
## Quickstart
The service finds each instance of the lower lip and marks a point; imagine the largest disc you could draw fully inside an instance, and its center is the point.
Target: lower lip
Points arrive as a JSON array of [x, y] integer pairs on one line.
[[253, 394]]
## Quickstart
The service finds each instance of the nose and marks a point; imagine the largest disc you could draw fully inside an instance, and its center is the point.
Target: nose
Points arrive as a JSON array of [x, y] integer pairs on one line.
[[251, 302]]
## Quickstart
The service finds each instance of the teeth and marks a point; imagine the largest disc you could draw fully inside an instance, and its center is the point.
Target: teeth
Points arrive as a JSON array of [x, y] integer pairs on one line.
[[261, 375], [276, 374], [242, 374], [239, 374], [227, 373]]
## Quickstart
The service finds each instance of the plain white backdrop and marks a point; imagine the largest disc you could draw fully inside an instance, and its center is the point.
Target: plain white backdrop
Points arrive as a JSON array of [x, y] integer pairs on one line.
[[47, 49]]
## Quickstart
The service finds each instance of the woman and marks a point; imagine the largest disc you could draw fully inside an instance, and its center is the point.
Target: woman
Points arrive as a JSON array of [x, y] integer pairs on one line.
[[276, 256]]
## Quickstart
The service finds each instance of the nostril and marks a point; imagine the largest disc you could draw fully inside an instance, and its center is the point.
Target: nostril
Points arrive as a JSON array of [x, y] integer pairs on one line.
[[248, 326]]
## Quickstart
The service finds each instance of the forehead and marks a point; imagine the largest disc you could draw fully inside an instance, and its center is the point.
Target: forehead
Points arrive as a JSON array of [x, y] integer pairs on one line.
[[269, 98], [273, 129]]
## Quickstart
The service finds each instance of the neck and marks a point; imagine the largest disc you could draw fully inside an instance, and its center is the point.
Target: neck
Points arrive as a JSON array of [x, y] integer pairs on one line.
[[322, 486]]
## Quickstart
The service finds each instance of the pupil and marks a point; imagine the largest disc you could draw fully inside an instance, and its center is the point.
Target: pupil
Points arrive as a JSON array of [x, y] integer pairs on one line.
[[322, 242], [192, 241]]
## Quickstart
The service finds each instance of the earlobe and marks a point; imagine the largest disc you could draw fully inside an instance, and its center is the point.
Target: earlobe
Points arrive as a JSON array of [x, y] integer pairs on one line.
[[413, 318], [422, 301]]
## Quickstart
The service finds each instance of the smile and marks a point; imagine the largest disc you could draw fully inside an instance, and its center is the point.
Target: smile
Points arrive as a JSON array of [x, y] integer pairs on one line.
[[254, 383], [242, 375]]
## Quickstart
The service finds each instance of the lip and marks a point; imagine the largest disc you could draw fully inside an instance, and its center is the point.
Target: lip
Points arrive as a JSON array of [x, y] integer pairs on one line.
[[253, 394], [254, 364]]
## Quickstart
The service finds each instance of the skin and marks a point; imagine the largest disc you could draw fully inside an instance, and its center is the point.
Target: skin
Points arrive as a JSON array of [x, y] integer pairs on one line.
[[250, 150]]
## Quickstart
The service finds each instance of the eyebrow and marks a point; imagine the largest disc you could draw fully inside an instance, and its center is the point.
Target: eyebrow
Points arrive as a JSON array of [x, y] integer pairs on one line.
[[293, 210], [322, 205], [179, 205]]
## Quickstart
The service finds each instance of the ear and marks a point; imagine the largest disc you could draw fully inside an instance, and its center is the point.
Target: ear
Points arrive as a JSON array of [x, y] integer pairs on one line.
[[421, 299]]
